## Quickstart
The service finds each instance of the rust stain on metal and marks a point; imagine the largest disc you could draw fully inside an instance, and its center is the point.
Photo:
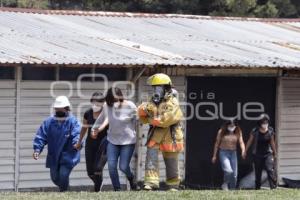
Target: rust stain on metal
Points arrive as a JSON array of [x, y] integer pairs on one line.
[[287, 26], [143, 15], [288, 45], [55, 44]]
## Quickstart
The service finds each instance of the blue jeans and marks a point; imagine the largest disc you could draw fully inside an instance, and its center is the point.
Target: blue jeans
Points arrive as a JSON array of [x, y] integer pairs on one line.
[[60, 177], [228, 160], [125, 153]]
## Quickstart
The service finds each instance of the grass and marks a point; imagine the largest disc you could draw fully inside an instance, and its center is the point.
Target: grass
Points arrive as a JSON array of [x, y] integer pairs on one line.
[[142, 195]]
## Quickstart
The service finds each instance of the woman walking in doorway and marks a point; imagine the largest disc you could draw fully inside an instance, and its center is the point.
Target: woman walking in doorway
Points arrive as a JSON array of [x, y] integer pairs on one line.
[[227, 139], [264, 151]]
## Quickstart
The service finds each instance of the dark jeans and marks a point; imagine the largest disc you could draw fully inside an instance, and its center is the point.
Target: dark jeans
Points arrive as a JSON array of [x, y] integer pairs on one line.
[[60, 177], [114, 152], [95, 155], [267, 163]]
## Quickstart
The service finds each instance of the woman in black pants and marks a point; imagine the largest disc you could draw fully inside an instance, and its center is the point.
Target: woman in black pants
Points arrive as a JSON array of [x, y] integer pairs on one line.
[[95, 149], [264, 151]]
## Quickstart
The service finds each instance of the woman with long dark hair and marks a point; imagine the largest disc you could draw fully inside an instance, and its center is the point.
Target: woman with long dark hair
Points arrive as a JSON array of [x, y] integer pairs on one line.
[[227, 139], [120, 114]]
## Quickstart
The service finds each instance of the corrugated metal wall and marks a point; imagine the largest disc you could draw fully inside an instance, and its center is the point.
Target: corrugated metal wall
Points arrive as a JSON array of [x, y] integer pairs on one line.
[[289, 128], [180, 85], [35, 102], [7, 134], [35, 105]]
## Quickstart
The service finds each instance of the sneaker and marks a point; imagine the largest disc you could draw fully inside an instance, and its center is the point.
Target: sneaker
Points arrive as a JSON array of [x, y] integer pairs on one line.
[[98, 183], [132, 183], [98, 187], [172, 188], [147, 188], [224, 186]]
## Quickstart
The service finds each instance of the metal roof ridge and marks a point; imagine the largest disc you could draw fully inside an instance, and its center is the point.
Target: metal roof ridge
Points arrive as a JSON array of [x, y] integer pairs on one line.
[[144, 15]]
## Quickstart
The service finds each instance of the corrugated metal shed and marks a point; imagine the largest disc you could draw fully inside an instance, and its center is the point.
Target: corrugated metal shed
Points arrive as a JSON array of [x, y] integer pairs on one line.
[[127, 39], [7, 134], [288, 128]]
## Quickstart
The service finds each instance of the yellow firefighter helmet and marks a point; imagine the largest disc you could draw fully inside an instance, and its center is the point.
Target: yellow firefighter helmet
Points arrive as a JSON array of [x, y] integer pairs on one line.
[[159, 79]]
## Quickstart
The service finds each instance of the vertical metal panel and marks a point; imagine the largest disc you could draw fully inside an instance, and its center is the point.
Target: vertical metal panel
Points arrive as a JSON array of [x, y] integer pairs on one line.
[[17, 142], [278, 120], [7, 134], [144, 89], [289, 128]]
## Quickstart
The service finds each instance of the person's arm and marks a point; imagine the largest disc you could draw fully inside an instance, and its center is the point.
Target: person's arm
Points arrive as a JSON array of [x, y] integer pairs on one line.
[[171, 115], [242, 146], [100, 119], [96, 131], [249, 143], [83, 131], [100, 123], [103, 125], [75, 132], [273, 146], [40, 140], [133, 111], [143, 113], [216, 147]]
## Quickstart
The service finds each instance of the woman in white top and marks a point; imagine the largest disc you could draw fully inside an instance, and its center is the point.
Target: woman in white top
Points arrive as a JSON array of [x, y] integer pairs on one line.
[[120, 114]]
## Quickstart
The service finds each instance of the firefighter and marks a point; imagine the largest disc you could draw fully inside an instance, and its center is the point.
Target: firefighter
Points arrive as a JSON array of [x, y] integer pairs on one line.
[[163, 114]]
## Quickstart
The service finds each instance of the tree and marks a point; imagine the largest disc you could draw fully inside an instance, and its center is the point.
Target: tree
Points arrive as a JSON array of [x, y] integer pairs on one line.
[[40, 4], [66, 4], [8, 3], [266, 10], [242, 8], [296, 3], [285, 8], [233, 7]]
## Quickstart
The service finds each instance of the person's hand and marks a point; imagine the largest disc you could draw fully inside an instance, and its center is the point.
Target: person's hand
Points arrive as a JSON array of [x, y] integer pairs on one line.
[[77, 146], [141, 111], [274, 156], [94, 133], [214, 159], [244, 155], [155, 122], [36, 155]]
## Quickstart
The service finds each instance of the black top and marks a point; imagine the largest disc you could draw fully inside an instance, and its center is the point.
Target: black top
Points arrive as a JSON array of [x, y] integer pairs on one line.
[[88, 116], [262, 145]]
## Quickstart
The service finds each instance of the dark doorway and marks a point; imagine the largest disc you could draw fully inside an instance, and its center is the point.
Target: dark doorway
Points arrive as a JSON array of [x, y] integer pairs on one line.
[[213, 99]]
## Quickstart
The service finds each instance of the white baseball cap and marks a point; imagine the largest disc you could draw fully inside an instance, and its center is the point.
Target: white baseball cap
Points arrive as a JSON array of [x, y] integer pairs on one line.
[[61, 102]]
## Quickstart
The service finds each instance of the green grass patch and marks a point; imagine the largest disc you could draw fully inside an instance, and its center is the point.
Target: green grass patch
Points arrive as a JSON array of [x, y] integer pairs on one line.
[[142, 195]]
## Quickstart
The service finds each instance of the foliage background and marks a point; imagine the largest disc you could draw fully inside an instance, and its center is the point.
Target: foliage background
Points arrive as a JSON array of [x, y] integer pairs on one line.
[[242, 8]]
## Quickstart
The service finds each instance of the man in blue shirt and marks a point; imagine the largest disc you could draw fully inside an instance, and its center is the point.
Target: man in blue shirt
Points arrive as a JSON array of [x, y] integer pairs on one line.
[[60, 132]]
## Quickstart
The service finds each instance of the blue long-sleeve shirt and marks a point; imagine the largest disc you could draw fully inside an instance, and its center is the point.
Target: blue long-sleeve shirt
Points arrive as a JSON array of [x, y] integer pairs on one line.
[[60, 136]]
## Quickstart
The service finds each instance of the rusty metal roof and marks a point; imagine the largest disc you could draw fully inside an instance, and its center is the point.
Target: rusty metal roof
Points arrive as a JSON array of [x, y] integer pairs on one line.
[[47, 37]]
